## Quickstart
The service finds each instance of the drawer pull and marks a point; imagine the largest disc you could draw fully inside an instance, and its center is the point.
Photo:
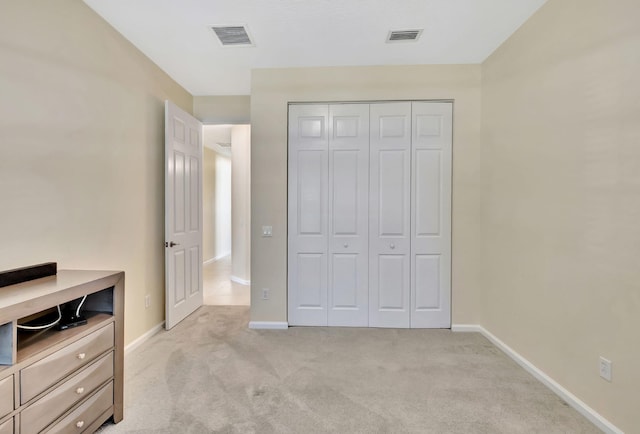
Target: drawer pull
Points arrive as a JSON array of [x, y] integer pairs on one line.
[[80, 423], [80, 390], [81, 356]]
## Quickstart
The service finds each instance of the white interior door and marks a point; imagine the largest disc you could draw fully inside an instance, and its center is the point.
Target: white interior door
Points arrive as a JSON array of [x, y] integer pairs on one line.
[[183, 214], [348, 215], [390, 213], [431, 215], [308, 214]]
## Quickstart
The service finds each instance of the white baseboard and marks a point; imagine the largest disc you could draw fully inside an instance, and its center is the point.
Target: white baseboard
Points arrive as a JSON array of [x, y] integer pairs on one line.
[[582, 408], [268, 325], [217, 258], [466, 328], [239, 280], [142, 339]]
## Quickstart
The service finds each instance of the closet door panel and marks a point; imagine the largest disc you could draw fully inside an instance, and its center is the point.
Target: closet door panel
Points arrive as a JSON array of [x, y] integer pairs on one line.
[[344, 283], [389, 217], [310, 188], [427, 275], [392, 188], [348, 210], [308, 214], [431, 215], [392, 282], [428, 185], [311, 280], [346, 185], [308, 125]]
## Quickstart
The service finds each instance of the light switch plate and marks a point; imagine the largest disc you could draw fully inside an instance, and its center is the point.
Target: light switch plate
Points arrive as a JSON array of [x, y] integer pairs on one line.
[[267, 231]]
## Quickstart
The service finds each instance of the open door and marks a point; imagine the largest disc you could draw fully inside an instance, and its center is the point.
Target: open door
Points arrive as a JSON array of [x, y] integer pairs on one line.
[[183, 214]]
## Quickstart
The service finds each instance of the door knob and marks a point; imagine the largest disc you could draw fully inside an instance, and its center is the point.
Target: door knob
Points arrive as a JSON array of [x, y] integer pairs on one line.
[[346, 245], [393, 246], [171, 244]]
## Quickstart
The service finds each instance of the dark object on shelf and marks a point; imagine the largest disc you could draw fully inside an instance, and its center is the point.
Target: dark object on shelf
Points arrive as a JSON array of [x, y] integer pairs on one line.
[[24, 274], [70, 322], [71, 316]]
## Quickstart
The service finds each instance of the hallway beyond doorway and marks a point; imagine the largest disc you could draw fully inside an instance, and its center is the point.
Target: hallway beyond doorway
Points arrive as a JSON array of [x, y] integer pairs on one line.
[[219, 290]]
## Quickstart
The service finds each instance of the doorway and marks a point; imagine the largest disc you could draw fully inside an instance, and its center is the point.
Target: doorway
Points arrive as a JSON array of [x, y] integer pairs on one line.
[[226, 214]]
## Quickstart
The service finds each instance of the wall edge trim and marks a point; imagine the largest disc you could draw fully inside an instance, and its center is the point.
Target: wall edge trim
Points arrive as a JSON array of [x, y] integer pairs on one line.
[[580, 406], [142, 339], [239, 280], [217, 258], [268, 325]]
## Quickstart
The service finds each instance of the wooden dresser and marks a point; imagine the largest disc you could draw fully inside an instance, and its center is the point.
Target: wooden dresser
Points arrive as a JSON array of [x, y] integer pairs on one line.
[[68, 381]]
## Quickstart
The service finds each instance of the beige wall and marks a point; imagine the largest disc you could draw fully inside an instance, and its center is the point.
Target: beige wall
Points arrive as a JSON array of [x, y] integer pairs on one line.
[[209, 205], [82, 150], [561, 198], [272, 89], [240, 202], [222, 109]]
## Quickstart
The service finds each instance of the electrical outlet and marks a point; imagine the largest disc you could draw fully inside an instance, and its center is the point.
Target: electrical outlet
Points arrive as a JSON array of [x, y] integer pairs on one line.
[[265, 293], [605, 368], [147, 301], [267, 231]]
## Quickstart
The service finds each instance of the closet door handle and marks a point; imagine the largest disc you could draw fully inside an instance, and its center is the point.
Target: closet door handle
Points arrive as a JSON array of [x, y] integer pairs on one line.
[[392, 246], [346, 245]]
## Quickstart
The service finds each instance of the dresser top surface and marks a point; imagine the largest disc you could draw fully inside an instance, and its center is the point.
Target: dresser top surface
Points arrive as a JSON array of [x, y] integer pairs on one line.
[[20, 293]]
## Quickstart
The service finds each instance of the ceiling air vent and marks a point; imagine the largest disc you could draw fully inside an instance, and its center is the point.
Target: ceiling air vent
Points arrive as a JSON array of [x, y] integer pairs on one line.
[[404, 35], [232, 36]]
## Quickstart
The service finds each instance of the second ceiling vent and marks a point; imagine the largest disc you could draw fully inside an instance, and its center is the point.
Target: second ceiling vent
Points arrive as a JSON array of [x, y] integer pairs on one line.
[[232, 36], [404, 35]]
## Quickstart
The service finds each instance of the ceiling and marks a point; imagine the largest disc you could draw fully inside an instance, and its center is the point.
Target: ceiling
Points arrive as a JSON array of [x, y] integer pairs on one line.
[[176, 34]]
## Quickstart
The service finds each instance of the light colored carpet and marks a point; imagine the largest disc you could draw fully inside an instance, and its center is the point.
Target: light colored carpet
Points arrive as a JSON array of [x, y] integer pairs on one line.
[[211, 374]]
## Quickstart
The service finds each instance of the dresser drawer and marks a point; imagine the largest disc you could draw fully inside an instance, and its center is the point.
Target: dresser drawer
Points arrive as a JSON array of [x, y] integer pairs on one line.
[[48, 408], [48, 371], [6, 396], [7, 427], [79, 419]]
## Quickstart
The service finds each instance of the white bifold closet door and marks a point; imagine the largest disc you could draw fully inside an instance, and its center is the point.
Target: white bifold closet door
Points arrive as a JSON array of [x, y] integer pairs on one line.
[[390, 215], [410, 215], [308, 214], [431, 141], [370, 214], [348, 215], [328, 206]]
